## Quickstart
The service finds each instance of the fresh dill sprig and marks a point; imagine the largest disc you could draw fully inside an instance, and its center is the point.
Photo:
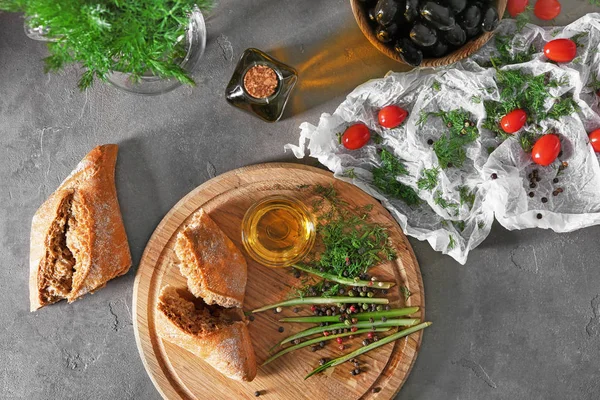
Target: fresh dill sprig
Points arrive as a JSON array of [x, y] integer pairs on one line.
[[439, 199], [523, 18], [436, 86], [405, 292], [385, 179], [504, 48], [521, 90], [134, 37], [350, 244], [466, 196], [527, 139], [429, 179], [460, 225], [349, 173], [451, 242], [450, 148]]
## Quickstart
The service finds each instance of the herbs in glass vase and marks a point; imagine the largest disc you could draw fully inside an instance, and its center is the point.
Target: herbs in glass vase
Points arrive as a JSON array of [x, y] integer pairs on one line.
[[137, 37]]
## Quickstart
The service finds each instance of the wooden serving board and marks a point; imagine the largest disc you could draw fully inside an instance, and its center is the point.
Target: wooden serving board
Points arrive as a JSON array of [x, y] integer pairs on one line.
[[178, 374]]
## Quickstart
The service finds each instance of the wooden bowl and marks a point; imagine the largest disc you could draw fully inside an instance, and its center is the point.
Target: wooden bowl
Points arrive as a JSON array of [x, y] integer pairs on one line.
[[465, 51]]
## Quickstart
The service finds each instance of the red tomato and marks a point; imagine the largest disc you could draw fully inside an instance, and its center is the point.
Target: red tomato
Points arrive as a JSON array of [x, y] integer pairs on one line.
[[356, 136], [546, 149], [392, 116], [546, 9], [516, 7], [513, 121], [595, 140], [561, 50]]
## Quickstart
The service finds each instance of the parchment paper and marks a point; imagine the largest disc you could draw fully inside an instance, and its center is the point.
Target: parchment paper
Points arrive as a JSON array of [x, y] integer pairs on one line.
[[457, 231]]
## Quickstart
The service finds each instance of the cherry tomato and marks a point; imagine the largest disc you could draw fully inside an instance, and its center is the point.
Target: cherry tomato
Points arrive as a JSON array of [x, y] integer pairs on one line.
[[392, 116], [561, 50], [547, 9], [356, 136], [516, 7], [546, 149], [595, 140], [513, 121]]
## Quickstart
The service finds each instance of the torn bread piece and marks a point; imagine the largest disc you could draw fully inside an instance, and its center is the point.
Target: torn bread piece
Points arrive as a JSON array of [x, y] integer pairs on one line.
[[78, 240], [215, 269], [216, 334]]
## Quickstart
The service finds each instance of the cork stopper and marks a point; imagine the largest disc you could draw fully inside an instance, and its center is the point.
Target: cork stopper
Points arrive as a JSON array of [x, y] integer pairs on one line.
[[260, 81]]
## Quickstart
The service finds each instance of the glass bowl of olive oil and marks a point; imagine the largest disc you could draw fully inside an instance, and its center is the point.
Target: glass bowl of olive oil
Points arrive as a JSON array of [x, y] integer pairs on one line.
[[278, 231]]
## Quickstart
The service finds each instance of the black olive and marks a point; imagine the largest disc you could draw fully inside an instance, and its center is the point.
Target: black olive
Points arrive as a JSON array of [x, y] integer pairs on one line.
[[385, 11], [490, 19], [471, 17], [471, 33], [411, 12], [439, 49], [385, 34], [455, 5], [371, 15], [439, 16], [409, 53], [455, 36], [423, 35]]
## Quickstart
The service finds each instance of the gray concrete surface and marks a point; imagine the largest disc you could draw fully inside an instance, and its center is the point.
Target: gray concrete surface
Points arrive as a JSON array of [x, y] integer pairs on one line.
[[520, 321]]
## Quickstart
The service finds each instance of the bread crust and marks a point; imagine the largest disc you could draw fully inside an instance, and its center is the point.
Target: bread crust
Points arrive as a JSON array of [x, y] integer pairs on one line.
[[227, 348], [215, 269], [95, 234]]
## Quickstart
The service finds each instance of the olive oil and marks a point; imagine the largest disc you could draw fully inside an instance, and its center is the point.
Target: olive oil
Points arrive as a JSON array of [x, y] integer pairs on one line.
[[278, 231]]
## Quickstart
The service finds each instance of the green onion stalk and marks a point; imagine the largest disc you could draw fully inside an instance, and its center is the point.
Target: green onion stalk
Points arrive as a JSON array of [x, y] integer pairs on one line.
[[344, 281], [374, 345], [323, 300], [361, 324], [321, 339], [363, 316]]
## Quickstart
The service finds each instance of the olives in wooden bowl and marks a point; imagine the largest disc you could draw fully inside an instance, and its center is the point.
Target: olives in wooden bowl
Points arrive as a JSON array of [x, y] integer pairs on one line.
[[428, 33]]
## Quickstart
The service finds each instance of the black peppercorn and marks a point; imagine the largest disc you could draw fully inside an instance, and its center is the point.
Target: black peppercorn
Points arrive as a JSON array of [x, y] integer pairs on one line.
[[383, 319], [296, 274], [430, 142], [296, 309], [555, 180], [388, 308], [280, 329], [555, 193], [321, 344], [257, 393], [251, 318], [450, 165], [322, 361], [376, 389], [537, 179], [539, 216], [313, 348], [357, 371], [532, 185], [531, 194], [353, 372], [494, 176], [365, 342], [544, 199]]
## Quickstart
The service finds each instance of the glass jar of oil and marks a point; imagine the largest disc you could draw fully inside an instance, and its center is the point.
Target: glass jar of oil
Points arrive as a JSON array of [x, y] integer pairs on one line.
[[278, 231]]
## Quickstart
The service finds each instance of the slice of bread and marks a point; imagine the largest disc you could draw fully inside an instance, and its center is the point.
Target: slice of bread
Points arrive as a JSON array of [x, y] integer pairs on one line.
[[215, 269], [216, 334], [78, 241]]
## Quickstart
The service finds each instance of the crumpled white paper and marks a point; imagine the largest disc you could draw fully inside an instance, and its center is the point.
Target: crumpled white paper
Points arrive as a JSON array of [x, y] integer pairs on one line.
[[506, 198]]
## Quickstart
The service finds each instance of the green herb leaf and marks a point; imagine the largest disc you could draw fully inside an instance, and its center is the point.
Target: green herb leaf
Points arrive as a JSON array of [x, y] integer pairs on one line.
[[429, 179], [385, 179], [405, 292]]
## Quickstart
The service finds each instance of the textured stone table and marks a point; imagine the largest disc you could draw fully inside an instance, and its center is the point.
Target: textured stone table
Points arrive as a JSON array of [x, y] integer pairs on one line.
[[521, 320]]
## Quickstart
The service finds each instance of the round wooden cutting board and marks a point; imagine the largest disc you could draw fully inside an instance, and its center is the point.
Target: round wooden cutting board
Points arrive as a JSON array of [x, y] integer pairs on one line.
[[178, 374]]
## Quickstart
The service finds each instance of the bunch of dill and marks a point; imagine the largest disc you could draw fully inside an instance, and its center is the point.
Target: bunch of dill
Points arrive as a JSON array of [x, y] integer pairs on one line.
[[135, 36], [385, 179]]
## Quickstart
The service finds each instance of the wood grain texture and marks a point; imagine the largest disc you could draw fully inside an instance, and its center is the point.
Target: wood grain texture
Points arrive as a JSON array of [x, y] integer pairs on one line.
[[178, 374], [362, 19]]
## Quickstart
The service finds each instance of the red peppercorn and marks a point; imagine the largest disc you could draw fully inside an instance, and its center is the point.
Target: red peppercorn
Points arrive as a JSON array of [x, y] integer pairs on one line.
[[325, 333], [352, 308], [341, 347], [339, 340], [313, 308], [370, 335], [351, 337], [354, 329], [370, 283]]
